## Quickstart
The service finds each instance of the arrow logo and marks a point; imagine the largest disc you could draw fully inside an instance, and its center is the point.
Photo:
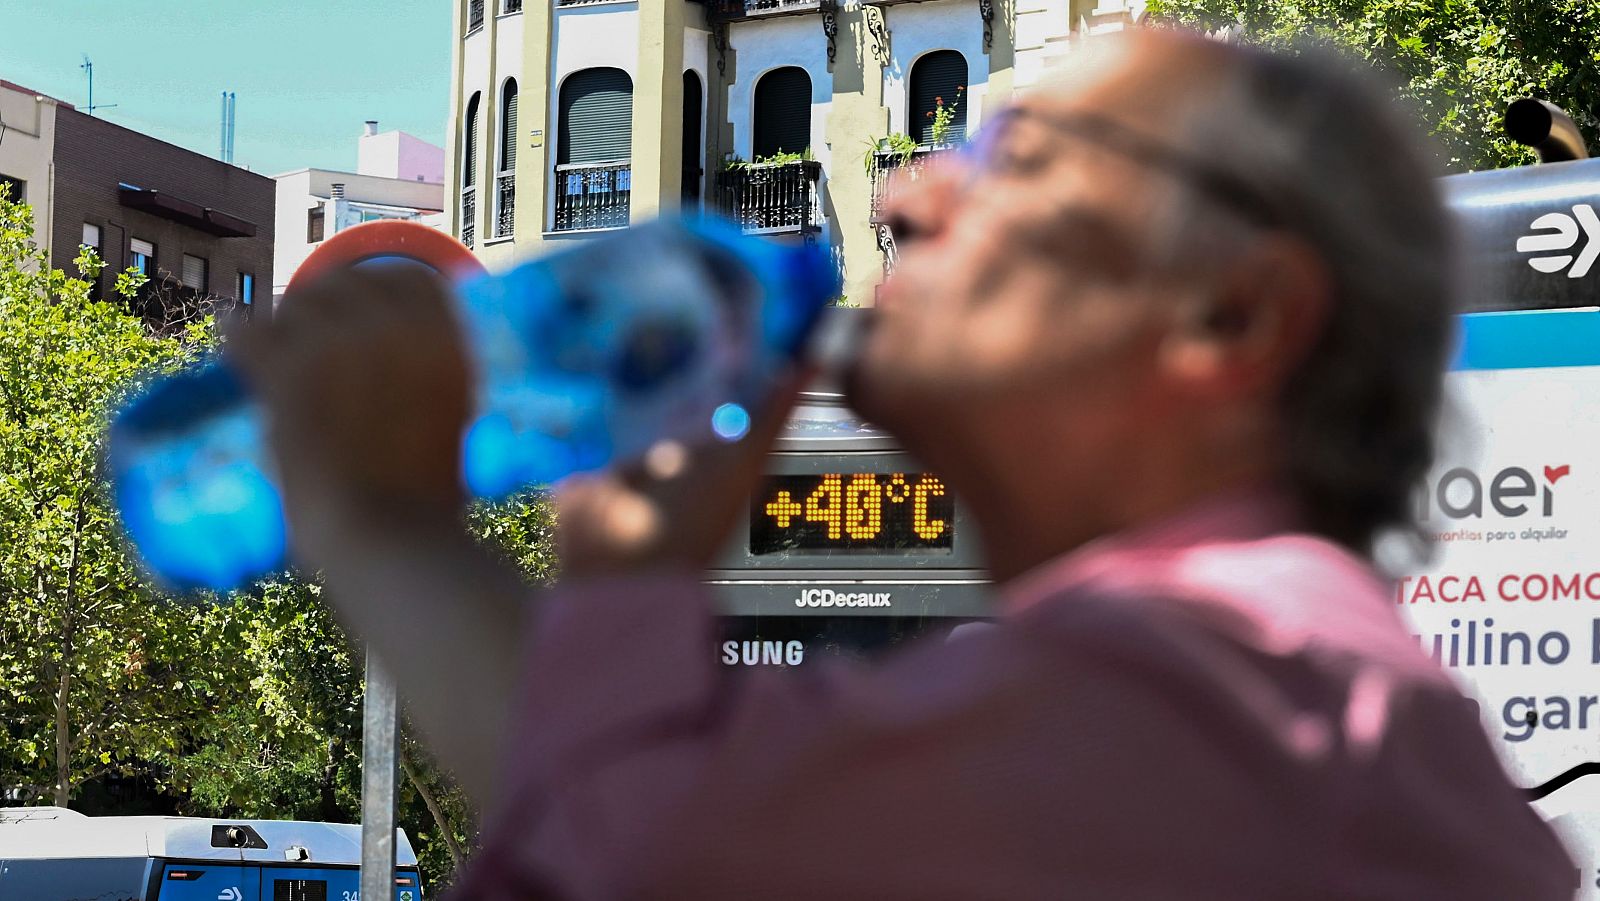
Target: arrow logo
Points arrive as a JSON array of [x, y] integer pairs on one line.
[[1559, 232], [230, 894]]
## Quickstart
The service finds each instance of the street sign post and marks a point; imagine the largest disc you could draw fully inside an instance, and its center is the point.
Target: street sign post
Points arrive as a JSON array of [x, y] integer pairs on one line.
[[379, 764]]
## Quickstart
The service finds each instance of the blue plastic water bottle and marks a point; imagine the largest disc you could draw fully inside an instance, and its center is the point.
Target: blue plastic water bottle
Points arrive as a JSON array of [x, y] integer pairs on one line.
[[584, 359]]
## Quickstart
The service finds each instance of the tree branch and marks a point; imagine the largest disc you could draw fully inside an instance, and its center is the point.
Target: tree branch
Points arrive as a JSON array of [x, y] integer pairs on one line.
[[432, 803]]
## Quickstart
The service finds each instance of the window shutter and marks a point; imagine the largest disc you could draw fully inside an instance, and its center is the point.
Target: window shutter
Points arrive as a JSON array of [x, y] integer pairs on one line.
[[936, 75], [508, 129], [783, 112], [469, 156], [91, 235], [596, 117], [692, 155], [142, 247], [194, 272]]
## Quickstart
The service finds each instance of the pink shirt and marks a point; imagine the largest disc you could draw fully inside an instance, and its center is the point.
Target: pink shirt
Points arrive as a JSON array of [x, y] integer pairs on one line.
[[1210, 708]]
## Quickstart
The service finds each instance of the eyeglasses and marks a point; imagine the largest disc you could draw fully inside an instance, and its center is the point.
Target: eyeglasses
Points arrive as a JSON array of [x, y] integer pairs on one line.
[[1220, 185]]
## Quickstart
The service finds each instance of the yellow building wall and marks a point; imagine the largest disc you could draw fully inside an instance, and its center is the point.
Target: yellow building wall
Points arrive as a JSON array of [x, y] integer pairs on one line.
[[857, 114]]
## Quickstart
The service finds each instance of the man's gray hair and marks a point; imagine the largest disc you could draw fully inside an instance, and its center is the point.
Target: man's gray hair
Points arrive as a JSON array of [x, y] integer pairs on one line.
[[1346, 171]]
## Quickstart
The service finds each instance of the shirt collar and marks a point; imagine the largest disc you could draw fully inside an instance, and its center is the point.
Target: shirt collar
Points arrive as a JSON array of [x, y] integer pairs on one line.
[[1232, 519]]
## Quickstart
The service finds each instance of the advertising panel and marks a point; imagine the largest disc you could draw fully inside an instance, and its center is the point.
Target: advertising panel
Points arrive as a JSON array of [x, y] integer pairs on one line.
[[1509, 601]]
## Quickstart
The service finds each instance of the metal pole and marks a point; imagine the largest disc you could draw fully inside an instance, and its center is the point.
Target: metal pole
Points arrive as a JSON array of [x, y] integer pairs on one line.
[[379, 764]]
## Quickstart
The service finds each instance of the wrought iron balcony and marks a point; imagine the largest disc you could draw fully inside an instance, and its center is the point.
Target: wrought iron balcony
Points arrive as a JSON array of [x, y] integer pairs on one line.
[[593, 195], [891, 168], [469, 216], [474, 15], [505, 204], [723, 10], [772, 198]]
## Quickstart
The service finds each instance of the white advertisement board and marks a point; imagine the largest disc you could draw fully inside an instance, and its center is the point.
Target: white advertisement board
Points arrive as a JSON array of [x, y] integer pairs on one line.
[[1509, 601]]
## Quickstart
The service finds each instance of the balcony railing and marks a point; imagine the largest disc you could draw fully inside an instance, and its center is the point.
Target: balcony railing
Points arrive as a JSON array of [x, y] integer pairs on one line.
[[474, 15], [505, 204], [469, 216], [745, 9], [772, 197], [891, 168], [593, 195], [511, 6]]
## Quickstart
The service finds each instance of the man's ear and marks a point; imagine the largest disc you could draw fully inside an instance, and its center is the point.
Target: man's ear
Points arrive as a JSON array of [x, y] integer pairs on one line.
[[1255, 325]]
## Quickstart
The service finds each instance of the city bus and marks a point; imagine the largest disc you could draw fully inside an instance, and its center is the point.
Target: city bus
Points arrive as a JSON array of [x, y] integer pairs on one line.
[[56, 854]]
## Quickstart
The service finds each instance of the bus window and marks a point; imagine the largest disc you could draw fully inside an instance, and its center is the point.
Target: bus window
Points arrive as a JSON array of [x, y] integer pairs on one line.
[[310, 884], [74, 878], [209, 881]]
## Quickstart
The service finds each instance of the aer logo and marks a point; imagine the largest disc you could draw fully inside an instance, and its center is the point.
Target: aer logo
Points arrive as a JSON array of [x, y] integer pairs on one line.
[[1559, 232]]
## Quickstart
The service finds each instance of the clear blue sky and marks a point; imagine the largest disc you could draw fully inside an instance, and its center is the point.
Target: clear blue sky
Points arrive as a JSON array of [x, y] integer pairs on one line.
[[306, 72]]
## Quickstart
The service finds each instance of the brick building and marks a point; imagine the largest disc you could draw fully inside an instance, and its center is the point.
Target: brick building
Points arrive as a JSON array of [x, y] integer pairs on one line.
[[202, 225]]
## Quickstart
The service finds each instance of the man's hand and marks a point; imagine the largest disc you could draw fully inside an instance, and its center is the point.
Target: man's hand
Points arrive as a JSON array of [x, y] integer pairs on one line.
[[366, 386], [673, 510]]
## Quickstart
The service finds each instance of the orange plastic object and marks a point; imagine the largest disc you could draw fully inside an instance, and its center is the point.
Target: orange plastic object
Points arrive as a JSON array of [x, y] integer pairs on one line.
[[390, 238]]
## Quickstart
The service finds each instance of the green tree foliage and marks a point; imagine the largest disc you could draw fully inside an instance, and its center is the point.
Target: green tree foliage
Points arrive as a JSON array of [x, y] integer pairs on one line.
[[93, 674], [242, 707], [1459, 62]]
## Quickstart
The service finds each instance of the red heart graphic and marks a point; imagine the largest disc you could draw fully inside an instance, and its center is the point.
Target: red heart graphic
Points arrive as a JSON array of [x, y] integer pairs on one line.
[[1553, 474]]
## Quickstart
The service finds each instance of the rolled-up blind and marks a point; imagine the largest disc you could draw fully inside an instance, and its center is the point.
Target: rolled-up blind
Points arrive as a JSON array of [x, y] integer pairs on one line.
[[469, 148], [936, 76], [508, 127], [194, 272], [783, 112], [144, 248], [596, 117]]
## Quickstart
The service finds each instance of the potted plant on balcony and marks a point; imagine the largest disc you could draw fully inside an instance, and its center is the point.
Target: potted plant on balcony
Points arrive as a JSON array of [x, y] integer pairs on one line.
[[888, 152], [944, 119], [734, 161]]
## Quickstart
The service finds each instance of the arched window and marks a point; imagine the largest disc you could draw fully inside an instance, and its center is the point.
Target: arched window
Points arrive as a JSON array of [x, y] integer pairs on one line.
[[469, 173], [596, 109], [469, 145], [938, 78], [692, 102], [505, 182], [594, 149], [508, 126], [782, 113]]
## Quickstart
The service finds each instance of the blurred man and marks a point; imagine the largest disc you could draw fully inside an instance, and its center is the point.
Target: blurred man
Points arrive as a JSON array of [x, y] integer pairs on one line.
[[1175, 335]]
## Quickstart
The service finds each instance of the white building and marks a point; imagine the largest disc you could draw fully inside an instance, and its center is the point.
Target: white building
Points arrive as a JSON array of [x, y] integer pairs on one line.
[[398, 176], [27, 148]]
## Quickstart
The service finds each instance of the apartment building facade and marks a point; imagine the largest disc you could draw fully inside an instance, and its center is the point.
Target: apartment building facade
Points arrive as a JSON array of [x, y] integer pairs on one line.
[[572, 117], [196, 226]]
